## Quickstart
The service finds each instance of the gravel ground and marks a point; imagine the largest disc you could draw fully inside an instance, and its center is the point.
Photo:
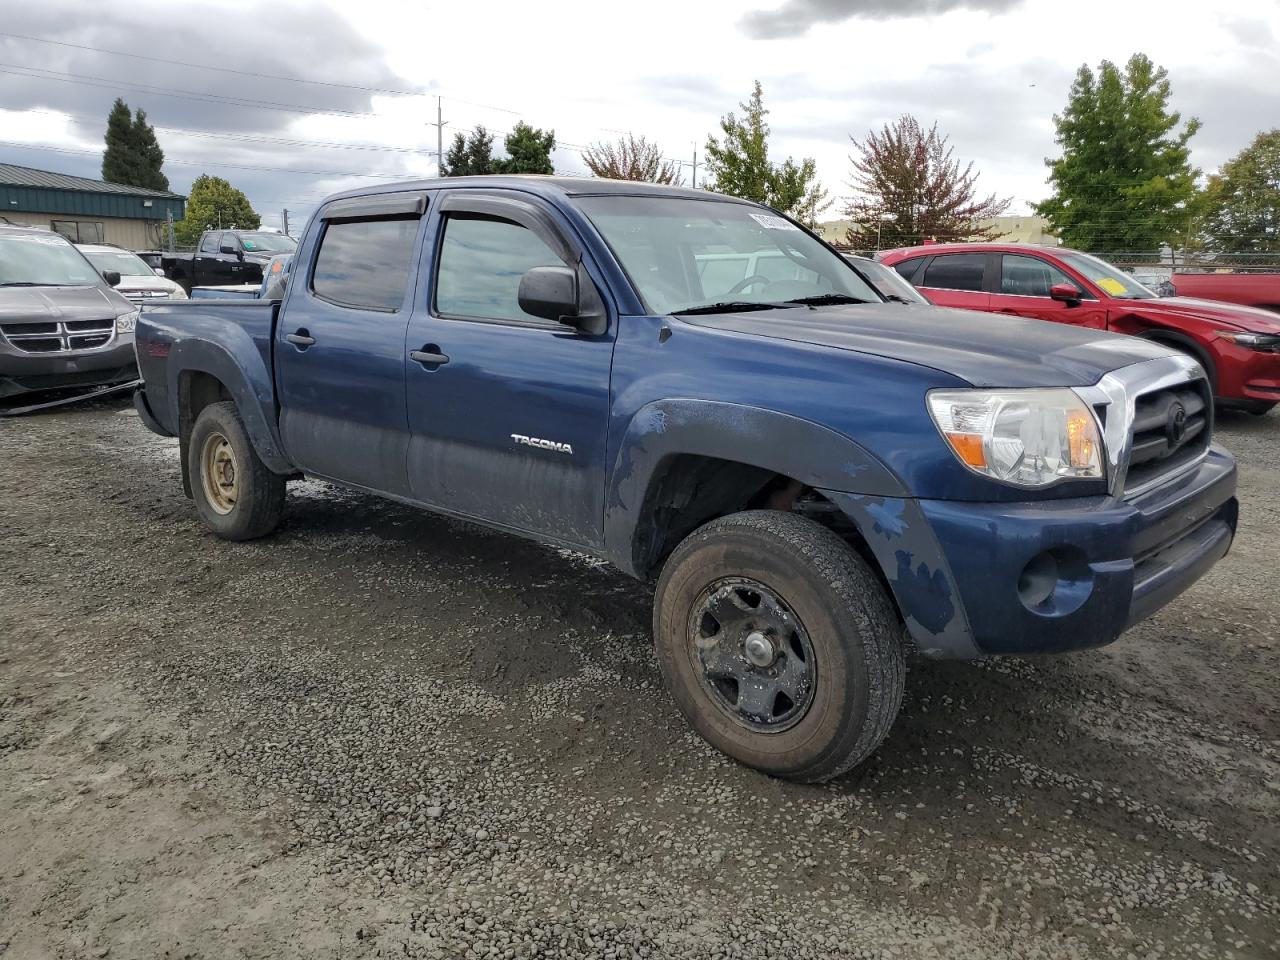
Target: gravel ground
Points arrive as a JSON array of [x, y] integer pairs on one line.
[[381, 733]]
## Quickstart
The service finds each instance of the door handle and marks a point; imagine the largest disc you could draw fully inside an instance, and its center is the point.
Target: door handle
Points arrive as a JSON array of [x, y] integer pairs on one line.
[[301, 339], [429, 356]]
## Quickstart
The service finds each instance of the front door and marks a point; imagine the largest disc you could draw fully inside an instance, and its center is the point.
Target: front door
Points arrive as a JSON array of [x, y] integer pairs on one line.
[[955, 280], [340, 345], [1024, 291], [508, 413]]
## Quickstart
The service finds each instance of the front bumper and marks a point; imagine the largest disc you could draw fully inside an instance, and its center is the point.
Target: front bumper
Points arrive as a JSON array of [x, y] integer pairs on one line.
[[1252, 376], [29, 372], [1050, 576]]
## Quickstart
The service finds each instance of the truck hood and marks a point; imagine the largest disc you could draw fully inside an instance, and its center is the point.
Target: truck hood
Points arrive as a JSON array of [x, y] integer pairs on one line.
[[986, 349], [59, 303], [1230, 315]]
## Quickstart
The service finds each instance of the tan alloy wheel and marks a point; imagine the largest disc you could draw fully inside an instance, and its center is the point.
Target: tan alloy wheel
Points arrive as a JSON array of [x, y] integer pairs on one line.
[[218, 471]]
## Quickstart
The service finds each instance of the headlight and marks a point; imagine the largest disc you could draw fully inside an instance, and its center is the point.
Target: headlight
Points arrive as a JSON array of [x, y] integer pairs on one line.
[[126, 322], [178, 294], [1264, 342], [1028, 438]]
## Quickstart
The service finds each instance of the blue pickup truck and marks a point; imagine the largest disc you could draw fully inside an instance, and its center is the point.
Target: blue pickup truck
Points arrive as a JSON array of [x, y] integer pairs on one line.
[[700, 391]]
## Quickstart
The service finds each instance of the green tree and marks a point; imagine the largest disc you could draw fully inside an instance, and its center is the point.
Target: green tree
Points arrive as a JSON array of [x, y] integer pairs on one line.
[[214, 203], [908, 188], [1242, 200], [470, 155], [1124, 181], [631, 158], [528, 151], [132, 156], [741, 166]]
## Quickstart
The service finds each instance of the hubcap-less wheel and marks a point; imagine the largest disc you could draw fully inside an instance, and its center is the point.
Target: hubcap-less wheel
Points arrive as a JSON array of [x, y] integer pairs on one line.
[[218, 473], [754, 656]]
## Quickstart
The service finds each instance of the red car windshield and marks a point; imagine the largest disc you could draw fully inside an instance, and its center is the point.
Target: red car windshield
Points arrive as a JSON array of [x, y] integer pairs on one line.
[[1115, 282]]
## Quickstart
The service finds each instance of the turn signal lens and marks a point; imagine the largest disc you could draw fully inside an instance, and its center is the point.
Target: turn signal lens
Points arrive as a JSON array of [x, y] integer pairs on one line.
[[1027, 438]]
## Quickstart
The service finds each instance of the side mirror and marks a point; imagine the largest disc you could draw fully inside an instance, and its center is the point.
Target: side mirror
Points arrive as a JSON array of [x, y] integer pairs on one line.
[[1067, 293], [550, 293], [112, 278], [159, 271], [227, 248]]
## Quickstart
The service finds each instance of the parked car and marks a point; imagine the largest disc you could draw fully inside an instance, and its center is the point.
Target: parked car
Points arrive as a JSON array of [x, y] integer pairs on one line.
[[888, 283], [1260, 290], [274, 277], [227, 258], [807, 472], [138, 281], [61, 324], [1238, 347]]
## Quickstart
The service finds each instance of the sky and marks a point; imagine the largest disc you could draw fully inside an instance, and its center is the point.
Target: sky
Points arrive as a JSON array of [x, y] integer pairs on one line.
[[310, 98]]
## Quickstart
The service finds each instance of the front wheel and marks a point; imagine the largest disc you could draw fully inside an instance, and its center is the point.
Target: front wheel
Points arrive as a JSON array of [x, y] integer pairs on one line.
[[236, 495], [779, 644]]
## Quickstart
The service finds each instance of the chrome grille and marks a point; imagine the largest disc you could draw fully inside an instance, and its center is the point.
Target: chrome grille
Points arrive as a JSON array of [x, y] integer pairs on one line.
[[59, 336], [1171, 428]]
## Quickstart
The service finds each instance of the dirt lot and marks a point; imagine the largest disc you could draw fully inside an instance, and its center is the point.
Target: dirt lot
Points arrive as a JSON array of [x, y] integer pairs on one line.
[[380, 733]]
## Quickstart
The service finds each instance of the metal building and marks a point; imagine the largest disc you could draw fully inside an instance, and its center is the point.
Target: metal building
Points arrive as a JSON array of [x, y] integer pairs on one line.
[[87, 211]]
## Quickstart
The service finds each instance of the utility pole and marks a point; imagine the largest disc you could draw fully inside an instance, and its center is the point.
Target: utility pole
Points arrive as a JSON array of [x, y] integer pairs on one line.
[[439, 125], [168, 229], [695, 164], [284, 221]]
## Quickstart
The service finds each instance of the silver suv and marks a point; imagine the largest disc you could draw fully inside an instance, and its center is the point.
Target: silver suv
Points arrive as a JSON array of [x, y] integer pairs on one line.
[[61, 324]]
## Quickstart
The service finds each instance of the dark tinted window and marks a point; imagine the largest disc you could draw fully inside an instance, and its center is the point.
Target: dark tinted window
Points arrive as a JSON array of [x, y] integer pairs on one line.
[[956, 271], [907, 268], [481, 263], [365, 263], [211, 243], [1028, 276]]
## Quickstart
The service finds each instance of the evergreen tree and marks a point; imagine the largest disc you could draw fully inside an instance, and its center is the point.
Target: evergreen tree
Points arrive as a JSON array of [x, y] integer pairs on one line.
[[132, 156], [528, 151], [1124, 180], [741, 167], [470, 155], [1243, 201], [214, 203]]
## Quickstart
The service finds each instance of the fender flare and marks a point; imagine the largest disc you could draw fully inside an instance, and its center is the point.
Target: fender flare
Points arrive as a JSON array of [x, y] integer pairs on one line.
[[249, 382], [663, 429]]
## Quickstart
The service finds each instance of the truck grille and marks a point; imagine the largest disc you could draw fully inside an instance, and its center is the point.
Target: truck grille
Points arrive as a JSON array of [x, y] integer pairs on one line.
[[1171, 429], [60, 336]]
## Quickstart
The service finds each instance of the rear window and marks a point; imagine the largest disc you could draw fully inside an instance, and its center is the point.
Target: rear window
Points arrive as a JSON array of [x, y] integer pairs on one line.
[[956, 271], [365, 263]]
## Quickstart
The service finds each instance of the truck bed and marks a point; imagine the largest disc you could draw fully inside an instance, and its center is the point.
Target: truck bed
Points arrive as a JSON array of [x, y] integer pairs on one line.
[[1247, 289]]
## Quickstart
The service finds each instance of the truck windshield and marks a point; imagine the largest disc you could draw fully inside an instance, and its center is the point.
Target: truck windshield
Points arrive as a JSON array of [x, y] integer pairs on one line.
[[1113, 281], [43, 260], [121, 261], [684, 254], [267, 243]]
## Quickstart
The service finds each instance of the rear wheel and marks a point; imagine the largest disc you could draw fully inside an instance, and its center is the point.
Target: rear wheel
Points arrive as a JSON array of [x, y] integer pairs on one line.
[[779, 644], [235, 493]]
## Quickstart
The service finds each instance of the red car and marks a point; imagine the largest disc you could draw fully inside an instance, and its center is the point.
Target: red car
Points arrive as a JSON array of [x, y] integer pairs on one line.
[[1239, 347]]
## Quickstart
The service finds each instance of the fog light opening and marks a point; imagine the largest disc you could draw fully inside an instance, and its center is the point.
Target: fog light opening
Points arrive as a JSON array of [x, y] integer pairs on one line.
[[1038, 580]]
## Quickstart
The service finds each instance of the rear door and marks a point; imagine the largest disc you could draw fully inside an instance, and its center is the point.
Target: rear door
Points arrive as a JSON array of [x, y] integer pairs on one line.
[[1023, 290], [340, 343], [508, 412], [956, 280]]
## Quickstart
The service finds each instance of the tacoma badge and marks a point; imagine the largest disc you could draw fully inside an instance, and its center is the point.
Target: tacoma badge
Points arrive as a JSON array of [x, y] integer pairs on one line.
[[542, 444]]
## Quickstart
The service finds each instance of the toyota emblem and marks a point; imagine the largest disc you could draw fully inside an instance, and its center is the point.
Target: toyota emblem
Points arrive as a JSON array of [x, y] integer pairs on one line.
[[1176, 426]]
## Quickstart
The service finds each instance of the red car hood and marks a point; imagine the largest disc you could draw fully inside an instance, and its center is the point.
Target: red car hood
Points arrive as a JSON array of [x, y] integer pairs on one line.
[[1230, 315]]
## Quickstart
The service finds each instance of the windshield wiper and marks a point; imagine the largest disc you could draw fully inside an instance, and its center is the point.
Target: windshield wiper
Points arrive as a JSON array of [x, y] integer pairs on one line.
[[24, 283], [896, 298], [823, 299], [729, 306]]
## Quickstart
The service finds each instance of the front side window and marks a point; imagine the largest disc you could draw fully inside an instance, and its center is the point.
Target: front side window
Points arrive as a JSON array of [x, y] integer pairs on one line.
[[365, 264], [481, 262], [43, 260], [692, 254], [1022, 276], [212, 243], [956, 271]]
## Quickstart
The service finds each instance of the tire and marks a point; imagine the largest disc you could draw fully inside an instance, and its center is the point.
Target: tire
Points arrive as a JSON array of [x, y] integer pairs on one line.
[[248, 499], [824, 614]]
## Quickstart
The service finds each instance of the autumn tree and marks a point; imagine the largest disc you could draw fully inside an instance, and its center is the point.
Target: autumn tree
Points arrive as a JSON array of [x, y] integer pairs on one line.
[[631, 158], [1124, 181], [213, 204], [909, 187], [528, 150], [740, 166], [1242, 201], [132, 156], [470, 155]]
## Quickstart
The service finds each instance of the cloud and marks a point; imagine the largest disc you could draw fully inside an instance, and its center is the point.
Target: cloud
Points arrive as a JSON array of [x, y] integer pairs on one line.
[[795, 17]]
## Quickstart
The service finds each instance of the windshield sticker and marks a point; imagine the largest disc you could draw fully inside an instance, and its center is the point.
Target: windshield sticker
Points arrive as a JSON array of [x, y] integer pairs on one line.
[[1113, 286], [773, 223]]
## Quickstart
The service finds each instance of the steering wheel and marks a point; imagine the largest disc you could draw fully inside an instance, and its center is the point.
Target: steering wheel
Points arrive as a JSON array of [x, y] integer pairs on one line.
[[743, 284]]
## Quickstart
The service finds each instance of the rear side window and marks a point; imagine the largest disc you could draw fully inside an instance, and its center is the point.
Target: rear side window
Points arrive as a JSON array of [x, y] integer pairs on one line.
[[1022, 276], [365, 264], [907, 269], [957, 271], [481, 262]]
